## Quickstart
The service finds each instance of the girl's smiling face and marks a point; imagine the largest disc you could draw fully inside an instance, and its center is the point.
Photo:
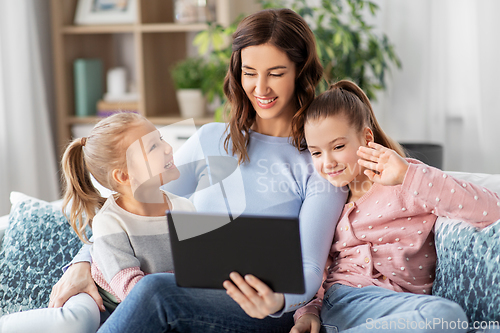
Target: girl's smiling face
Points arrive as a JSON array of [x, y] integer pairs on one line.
[[268, 78], [333, 144], [149, 157]]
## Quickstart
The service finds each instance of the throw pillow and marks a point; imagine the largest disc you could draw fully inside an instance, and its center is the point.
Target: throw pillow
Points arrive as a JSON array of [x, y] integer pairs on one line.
[[468, 267], [36, 245]]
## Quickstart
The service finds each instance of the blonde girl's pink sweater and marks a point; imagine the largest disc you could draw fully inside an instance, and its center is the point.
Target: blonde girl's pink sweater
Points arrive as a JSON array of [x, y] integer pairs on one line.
[[386, 237]]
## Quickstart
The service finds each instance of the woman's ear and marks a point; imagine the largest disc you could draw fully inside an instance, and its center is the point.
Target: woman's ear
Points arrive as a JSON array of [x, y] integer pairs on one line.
[[121, 177], [368, 135]]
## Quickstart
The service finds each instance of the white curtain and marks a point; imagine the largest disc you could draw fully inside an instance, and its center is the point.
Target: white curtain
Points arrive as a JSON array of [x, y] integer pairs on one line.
[[27, 157], [447, 91]]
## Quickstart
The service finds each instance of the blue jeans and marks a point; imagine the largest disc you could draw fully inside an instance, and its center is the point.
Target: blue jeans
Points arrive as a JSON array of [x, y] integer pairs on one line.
[[157, 304], [376, 309]]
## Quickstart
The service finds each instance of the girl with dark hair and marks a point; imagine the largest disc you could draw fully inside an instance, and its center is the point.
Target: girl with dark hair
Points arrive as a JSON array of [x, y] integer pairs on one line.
[[273, 73], [383, 256]]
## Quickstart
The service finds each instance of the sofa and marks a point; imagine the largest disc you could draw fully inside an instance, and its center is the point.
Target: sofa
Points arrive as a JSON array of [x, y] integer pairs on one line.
[[36, 241]]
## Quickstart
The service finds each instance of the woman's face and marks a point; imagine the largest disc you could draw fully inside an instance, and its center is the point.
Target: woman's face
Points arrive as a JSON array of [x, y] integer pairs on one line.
[[333, 144], [268, 78]]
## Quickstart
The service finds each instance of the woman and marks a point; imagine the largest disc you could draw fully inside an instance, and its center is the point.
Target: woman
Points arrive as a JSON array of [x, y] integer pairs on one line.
[[273, 72]]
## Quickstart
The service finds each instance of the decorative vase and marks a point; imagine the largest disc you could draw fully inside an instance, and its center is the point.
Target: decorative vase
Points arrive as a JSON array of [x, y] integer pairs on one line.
[[192, 103]]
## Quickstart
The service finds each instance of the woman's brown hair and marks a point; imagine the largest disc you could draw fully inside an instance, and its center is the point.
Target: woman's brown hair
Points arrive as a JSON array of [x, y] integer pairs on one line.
[[286, 30], [97, 155], [347, 99]]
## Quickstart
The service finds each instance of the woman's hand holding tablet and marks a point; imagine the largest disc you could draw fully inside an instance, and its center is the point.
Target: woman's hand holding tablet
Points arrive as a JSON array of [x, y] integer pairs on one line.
[[253, 295]]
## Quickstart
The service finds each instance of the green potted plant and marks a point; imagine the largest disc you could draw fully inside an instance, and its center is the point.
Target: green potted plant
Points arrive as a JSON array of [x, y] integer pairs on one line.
[[215, 72], [346, 44], [189, 76], [214, 44]]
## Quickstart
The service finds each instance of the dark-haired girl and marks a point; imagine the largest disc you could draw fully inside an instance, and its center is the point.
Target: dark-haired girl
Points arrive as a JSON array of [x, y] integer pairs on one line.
[[383, 254]]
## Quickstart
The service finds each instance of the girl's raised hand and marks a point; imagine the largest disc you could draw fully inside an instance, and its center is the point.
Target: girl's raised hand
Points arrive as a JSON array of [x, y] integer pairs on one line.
[[253, 295], [384, 165]]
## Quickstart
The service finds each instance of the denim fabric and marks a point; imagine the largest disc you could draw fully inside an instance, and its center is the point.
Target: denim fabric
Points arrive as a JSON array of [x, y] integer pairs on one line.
[[375, 309], [157, 304]]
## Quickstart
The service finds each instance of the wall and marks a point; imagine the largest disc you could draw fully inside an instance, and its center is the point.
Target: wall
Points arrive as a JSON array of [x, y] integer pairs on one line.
[[446, 91]]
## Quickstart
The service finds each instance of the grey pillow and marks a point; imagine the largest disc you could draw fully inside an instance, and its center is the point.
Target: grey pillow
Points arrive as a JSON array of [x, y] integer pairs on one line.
[[37, 243], [468, 268]]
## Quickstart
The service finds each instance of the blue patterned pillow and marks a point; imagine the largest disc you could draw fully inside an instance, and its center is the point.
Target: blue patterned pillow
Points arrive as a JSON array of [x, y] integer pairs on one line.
[[468, 268], [36, 244]]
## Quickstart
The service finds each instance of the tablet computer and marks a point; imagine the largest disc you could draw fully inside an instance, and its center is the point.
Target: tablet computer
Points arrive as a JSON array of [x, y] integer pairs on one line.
[[267, 247]]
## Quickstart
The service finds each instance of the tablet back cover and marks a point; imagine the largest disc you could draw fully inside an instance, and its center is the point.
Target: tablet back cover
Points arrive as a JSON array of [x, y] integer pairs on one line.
[[267, 247]]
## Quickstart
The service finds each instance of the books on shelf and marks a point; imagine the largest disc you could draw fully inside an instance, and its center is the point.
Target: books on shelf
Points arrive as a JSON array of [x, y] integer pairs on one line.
[[88, 79], [105, 109], [127, 97]]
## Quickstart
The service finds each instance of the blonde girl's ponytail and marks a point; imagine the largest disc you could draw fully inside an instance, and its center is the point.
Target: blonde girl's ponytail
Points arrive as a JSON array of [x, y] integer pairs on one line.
[[79, 191], [98, 155]]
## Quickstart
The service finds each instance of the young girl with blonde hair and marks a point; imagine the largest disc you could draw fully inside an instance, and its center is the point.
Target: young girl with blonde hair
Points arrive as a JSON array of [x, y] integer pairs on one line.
[[124, 153], [383, 254]]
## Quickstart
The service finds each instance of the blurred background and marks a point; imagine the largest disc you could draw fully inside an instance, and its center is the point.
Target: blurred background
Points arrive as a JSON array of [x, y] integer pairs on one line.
[[430, 68]]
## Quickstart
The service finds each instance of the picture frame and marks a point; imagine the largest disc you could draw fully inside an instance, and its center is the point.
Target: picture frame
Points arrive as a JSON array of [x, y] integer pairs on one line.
[[94, 12]]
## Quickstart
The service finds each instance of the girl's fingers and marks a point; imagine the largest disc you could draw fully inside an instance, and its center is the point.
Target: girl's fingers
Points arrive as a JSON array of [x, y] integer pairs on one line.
[[367, 155], [315, 327], [369, 165], [370, 151], [372, 176], [369, 174], [377, 146]]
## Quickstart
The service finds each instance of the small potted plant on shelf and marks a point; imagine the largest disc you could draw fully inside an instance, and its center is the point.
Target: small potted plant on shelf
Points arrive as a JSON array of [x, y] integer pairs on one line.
[[189, 76], [214, 44]]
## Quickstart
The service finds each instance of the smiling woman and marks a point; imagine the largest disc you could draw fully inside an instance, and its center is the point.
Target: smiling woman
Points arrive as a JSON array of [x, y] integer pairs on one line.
[[291, 44], [268, 78], [277, 49]]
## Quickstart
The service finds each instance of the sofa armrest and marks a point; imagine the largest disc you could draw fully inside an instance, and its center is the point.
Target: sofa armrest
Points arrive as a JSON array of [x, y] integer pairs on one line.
[[490, 181]]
